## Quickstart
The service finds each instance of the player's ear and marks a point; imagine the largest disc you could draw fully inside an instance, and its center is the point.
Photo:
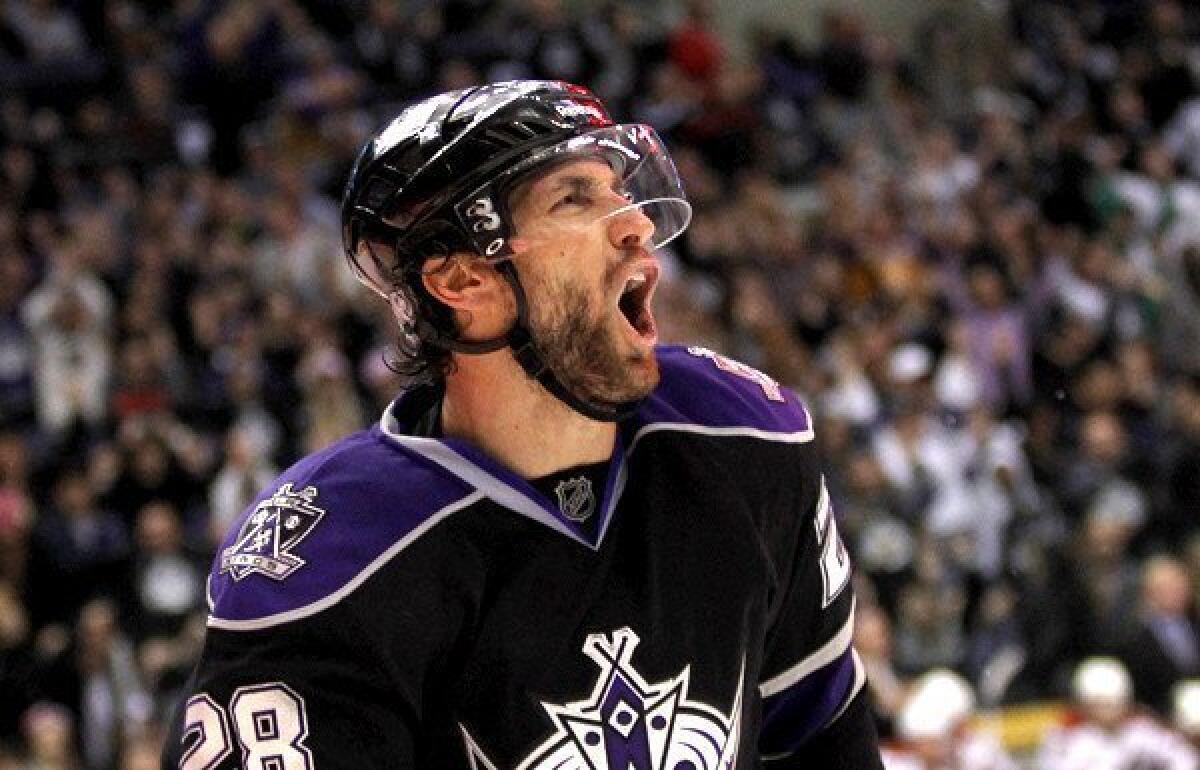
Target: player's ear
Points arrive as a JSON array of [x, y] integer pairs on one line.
[[473, 289], [455, 280]]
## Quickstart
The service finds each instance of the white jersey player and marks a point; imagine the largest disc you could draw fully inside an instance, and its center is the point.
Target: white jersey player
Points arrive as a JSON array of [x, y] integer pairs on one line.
[[934, 730], [1112, 735]]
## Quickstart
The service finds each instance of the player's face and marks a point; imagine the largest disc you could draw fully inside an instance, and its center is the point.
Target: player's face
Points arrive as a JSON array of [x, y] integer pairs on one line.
[[584, 261]]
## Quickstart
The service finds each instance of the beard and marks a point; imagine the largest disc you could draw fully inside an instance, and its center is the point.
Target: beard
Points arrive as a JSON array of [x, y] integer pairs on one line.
[[579, 346]]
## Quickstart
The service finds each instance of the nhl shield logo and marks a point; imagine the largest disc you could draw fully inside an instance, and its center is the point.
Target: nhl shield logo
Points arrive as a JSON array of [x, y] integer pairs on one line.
[[575, 498], [264, 542]]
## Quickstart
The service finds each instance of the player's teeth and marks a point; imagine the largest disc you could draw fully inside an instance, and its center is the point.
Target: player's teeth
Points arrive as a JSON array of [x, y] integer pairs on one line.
[[635, 280]]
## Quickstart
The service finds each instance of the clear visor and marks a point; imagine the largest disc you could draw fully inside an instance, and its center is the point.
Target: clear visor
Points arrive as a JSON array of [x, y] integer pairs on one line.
[[616, 173]]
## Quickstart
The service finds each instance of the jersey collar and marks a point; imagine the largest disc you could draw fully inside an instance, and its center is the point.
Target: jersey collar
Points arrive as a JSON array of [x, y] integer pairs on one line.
[[497, 482]]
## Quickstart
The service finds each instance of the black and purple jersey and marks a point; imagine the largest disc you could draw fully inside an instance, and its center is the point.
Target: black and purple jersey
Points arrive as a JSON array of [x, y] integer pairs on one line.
[[399, 600]]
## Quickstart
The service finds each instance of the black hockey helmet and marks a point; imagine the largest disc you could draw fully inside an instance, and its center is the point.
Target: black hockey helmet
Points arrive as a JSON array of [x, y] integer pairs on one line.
[[435, 182]]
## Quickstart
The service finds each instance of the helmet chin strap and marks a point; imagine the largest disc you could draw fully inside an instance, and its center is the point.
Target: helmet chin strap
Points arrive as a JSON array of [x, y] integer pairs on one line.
[[526, 352]]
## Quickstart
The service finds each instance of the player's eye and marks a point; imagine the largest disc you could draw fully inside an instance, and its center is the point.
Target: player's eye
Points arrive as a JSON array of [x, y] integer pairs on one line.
[[572, 200]]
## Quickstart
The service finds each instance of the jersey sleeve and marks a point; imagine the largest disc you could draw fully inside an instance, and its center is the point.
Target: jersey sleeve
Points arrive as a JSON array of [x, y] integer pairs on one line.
[[294, 698], [811, 672], [811, 677], [333, 601]]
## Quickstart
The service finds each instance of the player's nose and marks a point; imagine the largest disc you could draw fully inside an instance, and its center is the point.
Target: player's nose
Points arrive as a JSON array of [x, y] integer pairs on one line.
[[630, 229]]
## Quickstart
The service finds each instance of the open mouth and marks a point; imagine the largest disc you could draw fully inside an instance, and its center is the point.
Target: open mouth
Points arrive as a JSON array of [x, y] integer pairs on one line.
[[634, 302]]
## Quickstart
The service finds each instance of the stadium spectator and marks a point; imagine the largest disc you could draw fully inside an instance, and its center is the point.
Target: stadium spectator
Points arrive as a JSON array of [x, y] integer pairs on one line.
[[873, 640], [694, 46], [46, 31], [245, 471], [16, 510], [18, 665], [68, 316], [1100, 579], [16, 344], [96, 680], [929, 631], [998, 648], [80, 550], [329, 410], [157, 459], [49, 732], [141, 752], [1163, 647], [167, 582], [1180, 458]]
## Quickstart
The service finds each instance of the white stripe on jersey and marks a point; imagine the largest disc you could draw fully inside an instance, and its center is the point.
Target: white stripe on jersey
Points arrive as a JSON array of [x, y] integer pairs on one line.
[[828, 653], [798, 437]]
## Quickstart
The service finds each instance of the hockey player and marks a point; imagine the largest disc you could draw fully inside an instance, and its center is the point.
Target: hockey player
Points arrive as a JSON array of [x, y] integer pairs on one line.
[[1110, 734], [935, 732], [569, 547]]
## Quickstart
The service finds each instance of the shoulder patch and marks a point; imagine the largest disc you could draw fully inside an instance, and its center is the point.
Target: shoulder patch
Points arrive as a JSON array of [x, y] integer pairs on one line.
[[323, 527], [267, 536], [705, 392]]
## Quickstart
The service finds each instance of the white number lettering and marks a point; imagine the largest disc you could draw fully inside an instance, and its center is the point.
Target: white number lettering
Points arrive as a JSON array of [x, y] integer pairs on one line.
[[204, 719], [269, 721], [770, 388], [483, 213], [271, 727], [835, 562]]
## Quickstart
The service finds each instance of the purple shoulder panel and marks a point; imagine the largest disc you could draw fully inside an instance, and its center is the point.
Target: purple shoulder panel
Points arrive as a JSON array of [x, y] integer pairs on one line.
[[322, 524], [708, 390]]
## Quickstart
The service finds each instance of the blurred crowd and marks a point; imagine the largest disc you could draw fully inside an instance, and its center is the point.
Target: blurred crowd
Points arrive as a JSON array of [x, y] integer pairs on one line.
[[975, 252]]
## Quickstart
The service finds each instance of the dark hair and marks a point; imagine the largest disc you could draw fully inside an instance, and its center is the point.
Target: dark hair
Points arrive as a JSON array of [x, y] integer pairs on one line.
[[416, 358]]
